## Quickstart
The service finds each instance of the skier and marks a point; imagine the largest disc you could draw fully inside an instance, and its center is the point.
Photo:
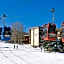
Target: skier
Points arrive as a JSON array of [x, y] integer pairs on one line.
[[17, 46], [41, 48], [14, 46]]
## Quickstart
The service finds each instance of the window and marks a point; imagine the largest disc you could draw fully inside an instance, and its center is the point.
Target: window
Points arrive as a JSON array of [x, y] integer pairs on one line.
[[7, 31], [0, 30], [41, 28], [45, 29], [62, 28], [62, 35], [52, 29]]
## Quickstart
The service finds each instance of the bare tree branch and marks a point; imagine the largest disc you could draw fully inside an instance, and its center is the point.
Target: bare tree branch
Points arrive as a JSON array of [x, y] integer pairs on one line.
[[18, 31]]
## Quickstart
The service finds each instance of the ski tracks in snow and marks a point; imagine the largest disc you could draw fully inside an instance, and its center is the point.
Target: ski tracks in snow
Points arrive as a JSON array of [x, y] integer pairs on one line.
[[9, 57]]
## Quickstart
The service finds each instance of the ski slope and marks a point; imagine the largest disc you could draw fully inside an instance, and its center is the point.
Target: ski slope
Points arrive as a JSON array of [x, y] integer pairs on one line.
[[26, 54]]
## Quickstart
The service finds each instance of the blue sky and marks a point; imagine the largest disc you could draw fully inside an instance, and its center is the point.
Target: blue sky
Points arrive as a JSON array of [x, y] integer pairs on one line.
[[31, 13]]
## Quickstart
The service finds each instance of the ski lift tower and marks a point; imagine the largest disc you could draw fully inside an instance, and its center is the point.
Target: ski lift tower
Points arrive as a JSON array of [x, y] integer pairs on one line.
[[53, 15], [3, 19]]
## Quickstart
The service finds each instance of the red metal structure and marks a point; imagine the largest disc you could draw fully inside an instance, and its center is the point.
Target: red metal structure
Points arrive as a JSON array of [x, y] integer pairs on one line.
[[49, 32], [62, 31]]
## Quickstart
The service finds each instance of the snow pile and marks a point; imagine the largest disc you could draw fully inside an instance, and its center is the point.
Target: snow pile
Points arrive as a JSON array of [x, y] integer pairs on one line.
[[25, 54]]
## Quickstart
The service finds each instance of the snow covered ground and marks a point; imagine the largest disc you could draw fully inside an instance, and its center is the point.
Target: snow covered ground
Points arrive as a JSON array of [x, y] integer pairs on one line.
[[27, 55]]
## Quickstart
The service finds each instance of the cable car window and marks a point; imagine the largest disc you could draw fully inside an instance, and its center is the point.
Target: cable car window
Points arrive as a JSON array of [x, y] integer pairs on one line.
[[41, 28], [62, 31], [45, 35], [0, 30], [52, 35], [52, 29], [62, 35], [40, 33], [62, 28], [7, 31], [45, 29]]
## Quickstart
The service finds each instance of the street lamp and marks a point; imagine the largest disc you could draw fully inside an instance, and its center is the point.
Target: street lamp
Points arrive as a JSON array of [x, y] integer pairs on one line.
[[53, 15], [3, 18]]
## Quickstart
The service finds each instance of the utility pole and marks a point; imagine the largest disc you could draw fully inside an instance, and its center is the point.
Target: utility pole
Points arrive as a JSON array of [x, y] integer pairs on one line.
[[53, 15]]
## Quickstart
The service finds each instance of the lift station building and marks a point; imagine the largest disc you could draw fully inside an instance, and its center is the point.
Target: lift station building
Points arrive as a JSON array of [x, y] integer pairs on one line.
[[35, 36]]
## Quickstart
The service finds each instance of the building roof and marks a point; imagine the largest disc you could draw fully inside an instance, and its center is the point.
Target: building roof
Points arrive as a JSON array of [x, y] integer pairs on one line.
[[25, 35], [35, 27]]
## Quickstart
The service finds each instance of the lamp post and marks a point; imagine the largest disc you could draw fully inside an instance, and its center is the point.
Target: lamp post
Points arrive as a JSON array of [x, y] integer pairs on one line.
[[53, 15], [3, 18]]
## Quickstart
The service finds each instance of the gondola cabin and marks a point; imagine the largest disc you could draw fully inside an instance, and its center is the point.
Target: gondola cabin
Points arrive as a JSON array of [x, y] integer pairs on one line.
[[6, 33], [62, 31], [0, 32], [49, 32]]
